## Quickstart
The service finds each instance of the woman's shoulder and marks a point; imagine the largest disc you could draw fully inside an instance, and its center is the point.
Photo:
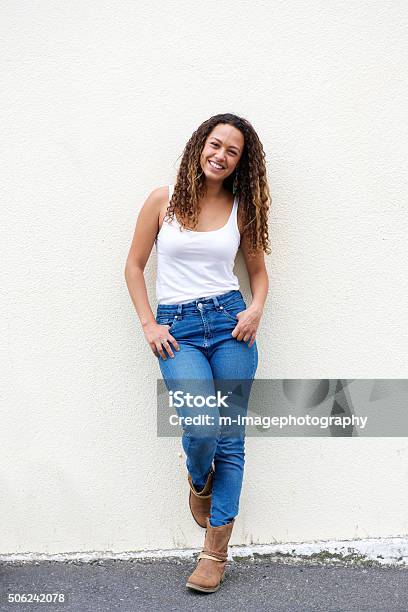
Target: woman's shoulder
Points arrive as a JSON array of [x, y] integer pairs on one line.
[[159, 199], [160, 194], [155, 205]]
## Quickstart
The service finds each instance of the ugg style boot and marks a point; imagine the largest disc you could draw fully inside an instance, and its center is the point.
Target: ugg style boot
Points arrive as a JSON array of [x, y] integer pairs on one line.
[[209, 573], [200, 503]]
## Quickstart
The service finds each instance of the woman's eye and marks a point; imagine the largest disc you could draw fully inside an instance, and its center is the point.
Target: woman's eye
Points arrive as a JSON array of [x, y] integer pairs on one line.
[[215, 144]]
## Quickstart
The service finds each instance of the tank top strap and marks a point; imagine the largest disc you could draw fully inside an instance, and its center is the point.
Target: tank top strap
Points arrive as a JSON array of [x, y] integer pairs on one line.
[[235, 205], [235, 217]]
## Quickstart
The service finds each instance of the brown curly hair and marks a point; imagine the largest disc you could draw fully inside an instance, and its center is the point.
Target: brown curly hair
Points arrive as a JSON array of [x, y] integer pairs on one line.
[[251, 186]]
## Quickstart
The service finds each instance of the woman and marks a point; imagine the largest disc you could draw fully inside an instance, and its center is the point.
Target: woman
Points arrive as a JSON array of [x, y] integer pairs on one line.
[[203, 331]]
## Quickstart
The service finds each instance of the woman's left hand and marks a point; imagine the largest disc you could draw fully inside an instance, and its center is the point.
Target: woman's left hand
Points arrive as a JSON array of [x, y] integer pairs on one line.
[[247, 326]]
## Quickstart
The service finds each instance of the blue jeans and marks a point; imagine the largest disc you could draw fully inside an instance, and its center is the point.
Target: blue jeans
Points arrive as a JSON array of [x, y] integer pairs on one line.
[[208, 355]]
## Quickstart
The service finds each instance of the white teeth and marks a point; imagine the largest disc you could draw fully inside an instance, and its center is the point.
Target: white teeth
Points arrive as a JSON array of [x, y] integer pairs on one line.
[[215, 165]]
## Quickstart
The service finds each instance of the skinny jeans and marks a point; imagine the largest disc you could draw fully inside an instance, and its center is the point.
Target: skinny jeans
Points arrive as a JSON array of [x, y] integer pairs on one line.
[[208, 360]]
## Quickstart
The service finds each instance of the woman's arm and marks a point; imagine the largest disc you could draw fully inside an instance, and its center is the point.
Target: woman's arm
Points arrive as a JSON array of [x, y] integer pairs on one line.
[[249, 319], [258, 276], [146, 229], [147, 226]]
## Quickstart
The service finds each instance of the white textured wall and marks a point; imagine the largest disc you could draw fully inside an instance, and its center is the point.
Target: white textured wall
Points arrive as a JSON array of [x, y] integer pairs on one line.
[[99, 100]]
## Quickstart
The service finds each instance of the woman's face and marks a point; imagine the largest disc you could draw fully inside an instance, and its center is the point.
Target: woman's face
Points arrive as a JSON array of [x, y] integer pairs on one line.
[[223, 147]]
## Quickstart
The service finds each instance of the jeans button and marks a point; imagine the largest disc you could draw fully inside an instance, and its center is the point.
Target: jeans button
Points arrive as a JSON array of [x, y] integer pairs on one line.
[[199, 305]]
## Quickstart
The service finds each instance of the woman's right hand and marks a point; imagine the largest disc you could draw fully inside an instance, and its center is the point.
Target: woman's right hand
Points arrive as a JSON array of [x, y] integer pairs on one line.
[[158, 336]]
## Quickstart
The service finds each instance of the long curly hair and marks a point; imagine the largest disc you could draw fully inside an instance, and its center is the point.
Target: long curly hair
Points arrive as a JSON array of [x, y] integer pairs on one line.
[[248, 182]]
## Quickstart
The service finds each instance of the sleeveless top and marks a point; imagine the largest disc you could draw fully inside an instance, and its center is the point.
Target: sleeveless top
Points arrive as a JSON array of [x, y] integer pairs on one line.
[[193, 264]]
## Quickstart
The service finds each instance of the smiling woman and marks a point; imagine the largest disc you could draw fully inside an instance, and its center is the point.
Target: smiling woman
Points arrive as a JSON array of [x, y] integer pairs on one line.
[[219, 203], [231, 158], [214, 143]]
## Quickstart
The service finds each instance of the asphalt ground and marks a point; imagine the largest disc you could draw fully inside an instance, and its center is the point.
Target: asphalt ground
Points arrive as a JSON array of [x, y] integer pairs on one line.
[[139, 585]]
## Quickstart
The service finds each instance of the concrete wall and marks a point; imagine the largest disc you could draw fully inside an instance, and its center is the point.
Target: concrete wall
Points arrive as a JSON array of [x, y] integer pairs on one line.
[[99, 102]]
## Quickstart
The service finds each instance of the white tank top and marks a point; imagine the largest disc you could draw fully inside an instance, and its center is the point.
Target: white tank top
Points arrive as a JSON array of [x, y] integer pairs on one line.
[[192, 264]]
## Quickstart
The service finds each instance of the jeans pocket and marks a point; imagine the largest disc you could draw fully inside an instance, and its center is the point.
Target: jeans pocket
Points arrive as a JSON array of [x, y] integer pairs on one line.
[[166, 320], [232, 310], [229, 315]]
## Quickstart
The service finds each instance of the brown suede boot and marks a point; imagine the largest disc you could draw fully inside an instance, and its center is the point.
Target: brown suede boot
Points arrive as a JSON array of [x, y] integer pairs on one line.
[[209, 573], [200, 503]]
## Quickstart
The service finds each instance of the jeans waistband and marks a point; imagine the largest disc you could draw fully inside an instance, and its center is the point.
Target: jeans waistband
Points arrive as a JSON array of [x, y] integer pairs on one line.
[[202, 302]]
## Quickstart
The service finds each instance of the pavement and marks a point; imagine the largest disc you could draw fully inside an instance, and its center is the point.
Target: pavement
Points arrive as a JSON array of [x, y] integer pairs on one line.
[[159, 584]]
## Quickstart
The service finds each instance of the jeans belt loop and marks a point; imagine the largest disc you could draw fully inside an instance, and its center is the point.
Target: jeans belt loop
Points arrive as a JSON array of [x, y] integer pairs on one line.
[[179, 311], [216, 303]]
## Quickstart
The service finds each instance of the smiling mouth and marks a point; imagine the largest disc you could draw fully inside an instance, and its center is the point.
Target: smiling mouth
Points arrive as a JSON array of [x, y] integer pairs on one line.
[[215, 166]]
